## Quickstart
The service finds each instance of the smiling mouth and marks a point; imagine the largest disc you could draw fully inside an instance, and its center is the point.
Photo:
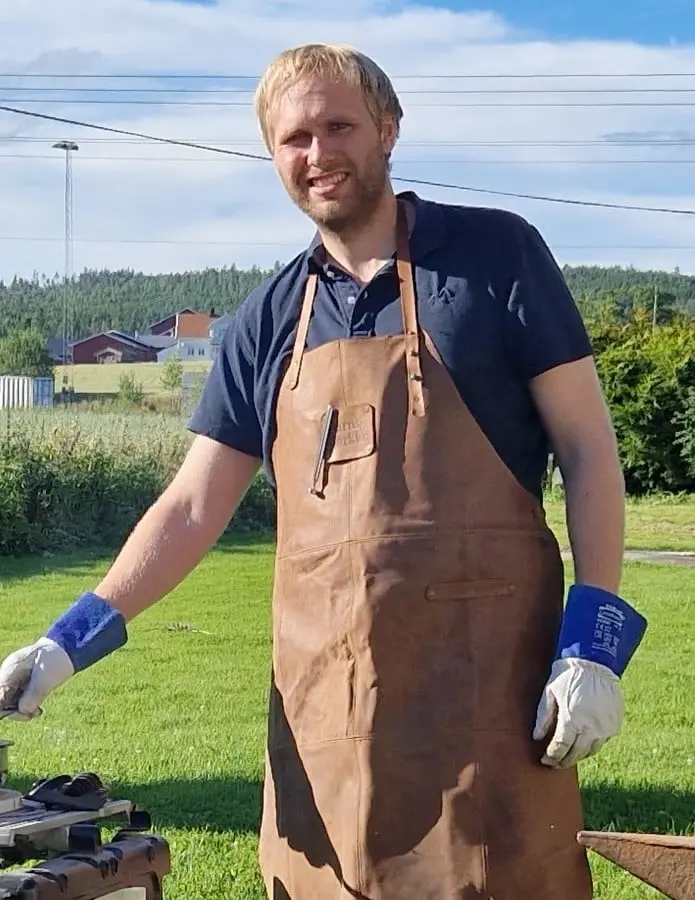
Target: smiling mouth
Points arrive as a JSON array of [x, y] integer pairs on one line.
[[327, 181]]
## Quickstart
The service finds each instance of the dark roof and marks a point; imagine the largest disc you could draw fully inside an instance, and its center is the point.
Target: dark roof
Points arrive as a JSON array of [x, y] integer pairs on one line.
[[156, 341], [55, 347], [149, 341], [174, 315], [117, 335]]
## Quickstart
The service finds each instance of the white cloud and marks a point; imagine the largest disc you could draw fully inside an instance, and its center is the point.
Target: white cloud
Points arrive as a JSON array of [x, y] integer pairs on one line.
[[156, 208]]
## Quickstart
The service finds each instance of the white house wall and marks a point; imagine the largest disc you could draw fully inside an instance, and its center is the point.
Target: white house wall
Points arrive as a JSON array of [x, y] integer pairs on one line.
[[188, 350]]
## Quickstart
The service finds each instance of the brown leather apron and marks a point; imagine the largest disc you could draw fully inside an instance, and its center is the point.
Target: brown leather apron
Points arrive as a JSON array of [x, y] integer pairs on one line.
[[417, 598]]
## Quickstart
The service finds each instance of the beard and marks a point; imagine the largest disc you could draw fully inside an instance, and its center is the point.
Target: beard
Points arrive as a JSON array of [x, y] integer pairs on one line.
[[356, 207]]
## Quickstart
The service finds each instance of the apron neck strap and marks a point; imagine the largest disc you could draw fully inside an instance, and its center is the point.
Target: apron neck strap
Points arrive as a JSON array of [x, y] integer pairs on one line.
[[302, 330], [408, 309]]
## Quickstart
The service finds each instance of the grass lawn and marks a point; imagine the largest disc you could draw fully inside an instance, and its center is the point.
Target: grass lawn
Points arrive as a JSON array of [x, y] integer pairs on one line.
[[176, 720]]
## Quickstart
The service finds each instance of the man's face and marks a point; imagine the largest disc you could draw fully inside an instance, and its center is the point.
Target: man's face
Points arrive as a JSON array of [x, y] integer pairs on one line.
[[329, 153]]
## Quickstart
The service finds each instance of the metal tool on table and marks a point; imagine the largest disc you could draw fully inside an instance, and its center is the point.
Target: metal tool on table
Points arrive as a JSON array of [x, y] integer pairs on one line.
[[57, 825]]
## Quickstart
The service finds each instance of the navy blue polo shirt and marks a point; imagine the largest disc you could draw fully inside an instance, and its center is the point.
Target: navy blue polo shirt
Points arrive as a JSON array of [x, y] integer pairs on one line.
[[489, 294]]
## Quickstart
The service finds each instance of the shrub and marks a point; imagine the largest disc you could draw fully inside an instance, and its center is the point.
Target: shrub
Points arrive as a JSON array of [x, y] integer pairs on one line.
[[648, 375], [88, 481], [130, 391]]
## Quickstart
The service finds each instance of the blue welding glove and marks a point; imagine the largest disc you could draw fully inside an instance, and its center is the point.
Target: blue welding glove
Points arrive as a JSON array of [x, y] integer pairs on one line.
[[582, 701], [87, 632]]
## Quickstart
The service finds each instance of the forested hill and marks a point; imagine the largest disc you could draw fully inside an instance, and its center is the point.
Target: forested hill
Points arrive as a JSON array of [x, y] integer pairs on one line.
[[130, 301], [587, 281], [124, 300]]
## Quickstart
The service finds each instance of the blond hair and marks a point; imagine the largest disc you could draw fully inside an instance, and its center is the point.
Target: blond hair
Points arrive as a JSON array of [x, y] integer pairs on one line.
[[337, 61]]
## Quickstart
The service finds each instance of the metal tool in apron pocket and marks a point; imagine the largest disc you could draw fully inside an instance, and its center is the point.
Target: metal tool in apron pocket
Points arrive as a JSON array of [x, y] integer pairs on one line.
[[318, 481]]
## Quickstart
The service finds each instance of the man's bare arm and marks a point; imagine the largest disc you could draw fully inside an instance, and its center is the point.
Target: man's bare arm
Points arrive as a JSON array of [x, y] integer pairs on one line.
[[571, 404], [179, 528]]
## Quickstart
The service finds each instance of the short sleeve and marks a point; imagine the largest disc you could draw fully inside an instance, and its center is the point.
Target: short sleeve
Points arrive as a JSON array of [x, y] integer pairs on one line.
[[227, 411], [544, 326]]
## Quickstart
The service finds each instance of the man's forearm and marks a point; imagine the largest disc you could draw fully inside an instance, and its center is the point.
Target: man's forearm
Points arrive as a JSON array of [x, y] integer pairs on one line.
[[595, 502], [164, 547]]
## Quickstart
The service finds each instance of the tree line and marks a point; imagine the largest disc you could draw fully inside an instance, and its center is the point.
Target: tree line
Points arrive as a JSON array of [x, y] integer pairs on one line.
[[130, 301], [123, 300]]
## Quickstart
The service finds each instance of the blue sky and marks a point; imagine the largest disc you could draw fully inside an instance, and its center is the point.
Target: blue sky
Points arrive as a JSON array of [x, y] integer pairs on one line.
[[646, 21], [596, 137]]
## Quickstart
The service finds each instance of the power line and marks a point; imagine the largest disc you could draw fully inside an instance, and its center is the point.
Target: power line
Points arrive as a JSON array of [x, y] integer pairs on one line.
[[437, 91], [607, 142], [401, 162], [228, 104], [541, 197], [147, 137], [414, 181], [213, 76]]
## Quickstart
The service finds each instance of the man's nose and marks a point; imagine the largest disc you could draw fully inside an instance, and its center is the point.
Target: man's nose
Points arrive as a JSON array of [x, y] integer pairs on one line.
[[318, 151]]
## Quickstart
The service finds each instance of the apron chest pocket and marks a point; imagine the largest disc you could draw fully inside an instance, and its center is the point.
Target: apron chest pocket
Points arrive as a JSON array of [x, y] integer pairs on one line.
[[353, 435]]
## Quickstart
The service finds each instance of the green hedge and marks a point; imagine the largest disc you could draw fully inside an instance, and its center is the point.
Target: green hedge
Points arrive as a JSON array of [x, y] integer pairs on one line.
[[648, 376], [66, 487]]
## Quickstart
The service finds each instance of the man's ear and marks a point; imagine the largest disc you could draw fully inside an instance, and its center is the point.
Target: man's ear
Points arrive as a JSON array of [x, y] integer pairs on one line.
[[389, 135]]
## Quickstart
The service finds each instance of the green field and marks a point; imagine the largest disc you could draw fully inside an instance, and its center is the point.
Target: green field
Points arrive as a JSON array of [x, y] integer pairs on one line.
[[651, 523], [176, 720], [103, 379]]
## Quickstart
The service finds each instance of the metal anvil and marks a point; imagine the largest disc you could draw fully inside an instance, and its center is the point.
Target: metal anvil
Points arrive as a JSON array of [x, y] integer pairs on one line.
[[665, 862], [56, 826]]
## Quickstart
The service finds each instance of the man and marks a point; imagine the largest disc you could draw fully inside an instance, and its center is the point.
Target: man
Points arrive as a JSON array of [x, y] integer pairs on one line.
[[400, 381]]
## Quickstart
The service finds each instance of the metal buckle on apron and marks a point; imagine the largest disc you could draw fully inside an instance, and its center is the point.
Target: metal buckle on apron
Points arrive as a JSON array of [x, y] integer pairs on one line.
[[319, 466]]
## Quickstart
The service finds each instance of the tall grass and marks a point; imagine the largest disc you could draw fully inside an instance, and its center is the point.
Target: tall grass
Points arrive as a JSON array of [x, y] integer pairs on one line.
[[77, 479], [137, 429], [65, 479]]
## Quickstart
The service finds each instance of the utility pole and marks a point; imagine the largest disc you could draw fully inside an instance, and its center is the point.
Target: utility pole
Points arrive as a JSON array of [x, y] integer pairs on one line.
[[655, 307], [69, 147]]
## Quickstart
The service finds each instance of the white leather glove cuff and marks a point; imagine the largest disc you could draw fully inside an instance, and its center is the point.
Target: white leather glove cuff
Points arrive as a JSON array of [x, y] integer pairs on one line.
[[30, 674], [581, 708]]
